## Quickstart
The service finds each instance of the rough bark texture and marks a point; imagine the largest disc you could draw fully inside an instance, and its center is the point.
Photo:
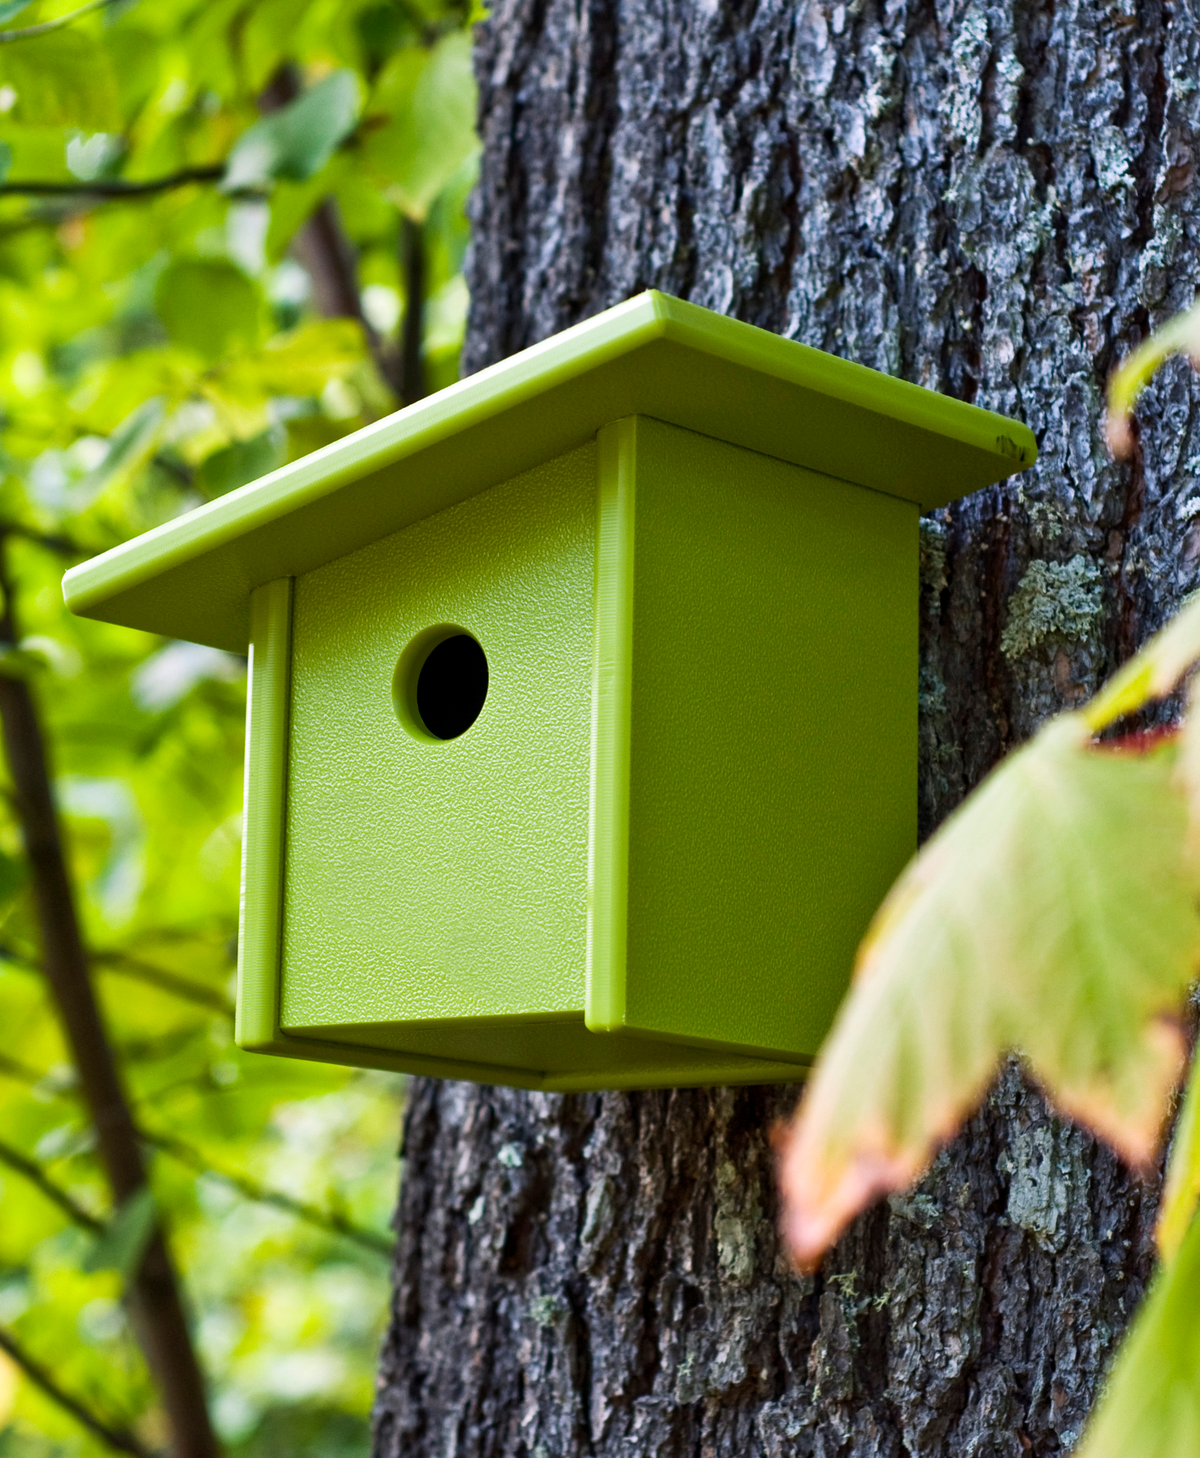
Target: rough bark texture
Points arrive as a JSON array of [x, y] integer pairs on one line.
[[993, 202]]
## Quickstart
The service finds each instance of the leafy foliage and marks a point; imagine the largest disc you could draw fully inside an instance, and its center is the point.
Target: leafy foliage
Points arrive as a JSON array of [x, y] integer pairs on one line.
[[299, 139], [162, 341]]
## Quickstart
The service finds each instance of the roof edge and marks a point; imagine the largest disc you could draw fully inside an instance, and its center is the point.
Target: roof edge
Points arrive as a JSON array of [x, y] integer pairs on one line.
[[415, 427]]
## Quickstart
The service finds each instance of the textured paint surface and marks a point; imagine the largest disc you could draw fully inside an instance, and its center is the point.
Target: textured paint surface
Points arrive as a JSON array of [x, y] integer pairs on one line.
[[435, 892], [994, 200], [445, 880], [774, 737]]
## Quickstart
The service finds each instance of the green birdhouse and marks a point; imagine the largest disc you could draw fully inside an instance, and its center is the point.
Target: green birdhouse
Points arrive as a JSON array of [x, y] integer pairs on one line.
[[582, 735]]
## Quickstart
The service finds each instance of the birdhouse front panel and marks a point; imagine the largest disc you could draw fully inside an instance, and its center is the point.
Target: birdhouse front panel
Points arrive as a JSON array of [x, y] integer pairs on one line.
[[429, 879], [581, 737]]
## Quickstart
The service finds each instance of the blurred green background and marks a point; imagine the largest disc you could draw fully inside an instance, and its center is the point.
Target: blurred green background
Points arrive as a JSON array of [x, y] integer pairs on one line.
[[230, 232]]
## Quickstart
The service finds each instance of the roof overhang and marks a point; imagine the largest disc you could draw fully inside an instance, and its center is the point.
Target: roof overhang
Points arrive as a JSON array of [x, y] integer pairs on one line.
[[192, 577]]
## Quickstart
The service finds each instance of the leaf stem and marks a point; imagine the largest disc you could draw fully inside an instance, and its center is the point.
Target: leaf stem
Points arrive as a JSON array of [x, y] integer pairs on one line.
[[28, 32]]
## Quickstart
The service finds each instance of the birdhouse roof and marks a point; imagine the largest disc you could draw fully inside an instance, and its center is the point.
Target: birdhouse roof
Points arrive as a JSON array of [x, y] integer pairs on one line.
[[657, 356]]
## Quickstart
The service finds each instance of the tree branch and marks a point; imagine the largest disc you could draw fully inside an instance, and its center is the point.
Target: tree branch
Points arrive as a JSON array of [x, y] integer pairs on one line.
[[155, 1300], [37, 1176], [114, 187], [118, 1439], [322, 248], [121, 964], [28, 32], [328, 1220]]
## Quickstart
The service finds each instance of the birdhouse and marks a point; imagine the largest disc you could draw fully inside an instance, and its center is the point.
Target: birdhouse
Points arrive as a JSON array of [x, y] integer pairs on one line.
[[582, 734]]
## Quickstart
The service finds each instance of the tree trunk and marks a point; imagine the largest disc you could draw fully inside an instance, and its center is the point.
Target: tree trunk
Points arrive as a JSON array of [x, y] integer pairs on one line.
[[994, 203]]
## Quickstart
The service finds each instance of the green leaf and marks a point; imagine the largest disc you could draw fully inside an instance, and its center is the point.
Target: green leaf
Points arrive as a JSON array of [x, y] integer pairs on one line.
[[293, 203], [209, 305], [1054, 915], [1181, 1189], [124, 1241], [429, 99], [242, 461], [10, 9], [296, 141], [5, 160], [62, 79], [1151, 1404], [301, 362]]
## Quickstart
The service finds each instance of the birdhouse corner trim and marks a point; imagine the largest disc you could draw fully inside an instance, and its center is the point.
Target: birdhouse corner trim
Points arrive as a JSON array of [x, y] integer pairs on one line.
[[608, 868]]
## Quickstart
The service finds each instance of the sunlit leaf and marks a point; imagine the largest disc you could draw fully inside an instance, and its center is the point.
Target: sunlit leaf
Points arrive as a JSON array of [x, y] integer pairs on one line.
[[301, 362], [1053, 915], [124, 1242], [1151, 1405], [63, 79], [428, 98], [292, 203], [296, 141], [209, 305]]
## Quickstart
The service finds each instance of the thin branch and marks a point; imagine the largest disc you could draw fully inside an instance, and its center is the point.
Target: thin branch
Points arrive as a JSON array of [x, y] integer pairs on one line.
[[118, 1439], [158, 1308], [19, 1072], [52, 541], [330, 1221], [121, 964], [27, 32], [114, 187], [37, 1176]]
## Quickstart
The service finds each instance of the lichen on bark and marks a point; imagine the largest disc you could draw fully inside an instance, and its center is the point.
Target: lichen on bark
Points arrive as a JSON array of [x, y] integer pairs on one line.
[[992, 201]]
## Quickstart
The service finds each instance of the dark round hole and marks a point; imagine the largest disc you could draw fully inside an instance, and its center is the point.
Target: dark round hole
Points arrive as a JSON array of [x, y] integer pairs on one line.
[[452, 686]]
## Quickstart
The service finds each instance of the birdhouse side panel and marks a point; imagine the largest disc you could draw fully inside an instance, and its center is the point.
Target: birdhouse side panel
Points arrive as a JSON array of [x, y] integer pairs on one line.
[[773, 738], [424, 879]]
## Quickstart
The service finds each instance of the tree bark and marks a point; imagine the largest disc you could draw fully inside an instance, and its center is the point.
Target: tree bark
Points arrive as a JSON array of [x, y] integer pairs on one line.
[[993, 202]]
